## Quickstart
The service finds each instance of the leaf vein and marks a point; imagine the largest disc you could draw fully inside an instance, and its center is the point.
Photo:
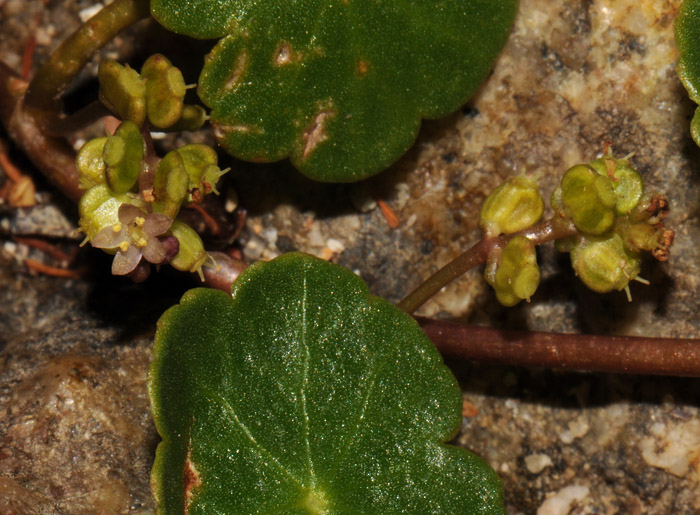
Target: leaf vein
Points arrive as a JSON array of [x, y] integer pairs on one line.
[[305, 379], [247, 432]]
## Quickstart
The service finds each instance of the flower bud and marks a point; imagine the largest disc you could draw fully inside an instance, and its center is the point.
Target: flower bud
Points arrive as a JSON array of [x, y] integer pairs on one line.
[[165, 91], [603, 263], [626, 181], [589, 199], [90, 164], [517, 274], [513, 206], [122, 91]]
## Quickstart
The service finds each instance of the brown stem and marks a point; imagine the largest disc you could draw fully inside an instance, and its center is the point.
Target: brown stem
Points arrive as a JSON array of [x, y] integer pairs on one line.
[[61, 125], [73, 54], [551, 229], [53, 156], [616, 354], [224, 271]]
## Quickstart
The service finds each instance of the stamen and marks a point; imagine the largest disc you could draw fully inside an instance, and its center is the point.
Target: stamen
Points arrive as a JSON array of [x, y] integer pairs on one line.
[[641, 280], [124, 246], [139, 221], [117, 227], [629, 293]]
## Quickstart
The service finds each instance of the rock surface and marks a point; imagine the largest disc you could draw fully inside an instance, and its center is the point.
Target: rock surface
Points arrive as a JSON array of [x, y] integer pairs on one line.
[[75, 433]]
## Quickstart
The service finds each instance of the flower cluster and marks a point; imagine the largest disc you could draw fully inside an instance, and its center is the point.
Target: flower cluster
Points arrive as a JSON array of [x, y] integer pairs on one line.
[[131, 200], [612, 223]]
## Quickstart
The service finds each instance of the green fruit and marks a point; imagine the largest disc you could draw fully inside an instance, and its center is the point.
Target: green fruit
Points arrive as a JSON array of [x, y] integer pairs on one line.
[[589, 199], [90, 164], [99, 208], [191, 255], [165, 91], [123, 155], [170, 185], [123, 91], [603, 264], [517, 275], [513, 206], [626, 182]]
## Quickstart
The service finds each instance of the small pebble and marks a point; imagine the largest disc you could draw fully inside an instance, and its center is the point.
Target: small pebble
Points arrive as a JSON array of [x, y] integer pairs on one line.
[[536, 463], [562, 501], [89, 12], [578, 427], [335, 245], [566, 436]]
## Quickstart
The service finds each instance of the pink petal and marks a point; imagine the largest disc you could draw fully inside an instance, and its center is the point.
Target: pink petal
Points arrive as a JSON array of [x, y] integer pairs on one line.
[[154, 252], [156, 224], [125, 262], [108, 238], [127, 213]]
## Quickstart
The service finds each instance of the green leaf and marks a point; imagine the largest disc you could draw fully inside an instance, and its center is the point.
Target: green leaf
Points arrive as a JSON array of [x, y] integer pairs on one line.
[[301, 393], [688, 42], [339, 86]]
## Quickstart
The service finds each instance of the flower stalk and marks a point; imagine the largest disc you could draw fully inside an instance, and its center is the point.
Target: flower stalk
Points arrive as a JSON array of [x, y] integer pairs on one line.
[[552, 229]]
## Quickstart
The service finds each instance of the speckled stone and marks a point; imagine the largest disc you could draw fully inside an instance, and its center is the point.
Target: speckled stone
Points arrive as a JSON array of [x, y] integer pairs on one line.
[[74, 426]]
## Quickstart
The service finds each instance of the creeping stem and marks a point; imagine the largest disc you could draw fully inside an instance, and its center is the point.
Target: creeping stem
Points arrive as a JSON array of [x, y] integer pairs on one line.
[[584, 352], [551, 229], [73, 54], [53, 156]]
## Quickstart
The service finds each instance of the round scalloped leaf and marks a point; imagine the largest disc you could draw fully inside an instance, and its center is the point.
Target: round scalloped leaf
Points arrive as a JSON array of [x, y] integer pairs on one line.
[[301, 393], [688, 42], [338, 86]]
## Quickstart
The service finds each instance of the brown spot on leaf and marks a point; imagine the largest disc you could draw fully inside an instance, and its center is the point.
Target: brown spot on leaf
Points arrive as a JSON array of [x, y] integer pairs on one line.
[[191, 480], [316, 132], [362, 67], [221, 130], [284, 54], [234, 80]]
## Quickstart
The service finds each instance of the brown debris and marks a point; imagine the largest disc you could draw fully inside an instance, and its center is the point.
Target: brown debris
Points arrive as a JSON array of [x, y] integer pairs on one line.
[[389, 214]]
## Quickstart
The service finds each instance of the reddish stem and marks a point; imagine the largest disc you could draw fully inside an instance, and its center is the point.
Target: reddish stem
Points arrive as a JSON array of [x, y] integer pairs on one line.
[[224, 271], [616, 354], [53, 156], [548, 230]]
